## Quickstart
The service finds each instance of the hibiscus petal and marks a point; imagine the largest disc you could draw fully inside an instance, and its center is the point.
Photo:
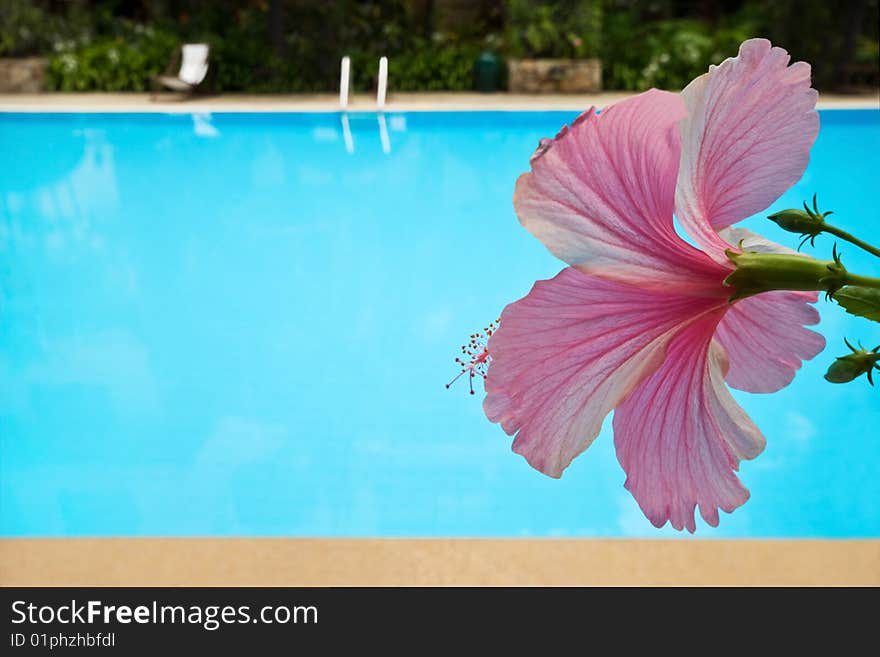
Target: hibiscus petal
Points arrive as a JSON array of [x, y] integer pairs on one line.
[[746, 240], [764, 335], [765, 339], [751, 123], [680, 435], [566, 354], [600, 195]]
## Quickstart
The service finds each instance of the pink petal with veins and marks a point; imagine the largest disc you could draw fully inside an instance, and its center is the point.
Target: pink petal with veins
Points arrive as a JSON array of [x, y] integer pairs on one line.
[[571, 350], [745, 240], [746, 139], [600, 195], [680, 435], [765, 339], [764, 335]]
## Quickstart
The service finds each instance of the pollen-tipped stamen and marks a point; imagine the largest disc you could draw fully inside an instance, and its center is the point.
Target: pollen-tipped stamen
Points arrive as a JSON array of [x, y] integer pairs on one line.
[[476, 356]]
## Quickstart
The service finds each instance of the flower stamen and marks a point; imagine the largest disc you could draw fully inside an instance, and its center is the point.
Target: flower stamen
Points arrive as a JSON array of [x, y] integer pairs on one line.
[[475, 358]]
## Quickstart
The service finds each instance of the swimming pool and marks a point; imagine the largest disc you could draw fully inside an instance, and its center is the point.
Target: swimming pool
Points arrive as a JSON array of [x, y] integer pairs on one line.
[[242, 324]]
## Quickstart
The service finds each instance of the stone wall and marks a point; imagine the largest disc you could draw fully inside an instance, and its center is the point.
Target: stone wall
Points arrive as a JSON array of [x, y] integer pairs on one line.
[[554, 75], [23, 75]]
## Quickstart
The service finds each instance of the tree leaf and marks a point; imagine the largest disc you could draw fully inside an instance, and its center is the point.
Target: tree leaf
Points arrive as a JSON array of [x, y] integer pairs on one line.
[[861, 301]]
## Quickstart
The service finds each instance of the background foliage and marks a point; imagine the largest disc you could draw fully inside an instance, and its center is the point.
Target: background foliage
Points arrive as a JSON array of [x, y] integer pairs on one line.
[[295, 45]]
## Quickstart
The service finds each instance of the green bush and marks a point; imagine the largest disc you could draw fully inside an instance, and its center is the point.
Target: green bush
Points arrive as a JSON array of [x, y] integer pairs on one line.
[[122, 63], [564, 28], [253, 67], [434, 68], [666, 54], [25, 28], [682, 50]]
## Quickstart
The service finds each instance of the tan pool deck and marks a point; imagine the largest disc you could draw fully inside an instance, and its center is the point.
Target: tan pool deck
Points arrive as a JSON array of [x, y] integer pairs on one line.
[[399, 102], [437, 562], [417, 562]]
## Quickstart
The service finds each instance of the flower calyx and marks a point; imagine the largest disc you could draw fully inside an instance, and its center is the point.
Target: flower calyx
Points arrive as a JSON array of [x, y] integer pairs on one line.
[[809, 222], [851, 366], [764, 272]]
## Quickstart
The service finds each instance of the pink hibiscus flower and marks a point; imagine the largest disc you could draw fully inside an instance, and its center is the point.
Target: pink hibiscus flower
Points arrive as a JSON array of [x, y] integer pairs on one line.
[[641, 322]]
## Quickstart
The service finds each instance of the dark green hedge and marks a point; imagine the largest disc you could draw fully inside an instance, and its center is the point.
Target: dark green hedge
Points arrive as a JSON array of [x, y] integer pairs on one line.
[[288, 46]]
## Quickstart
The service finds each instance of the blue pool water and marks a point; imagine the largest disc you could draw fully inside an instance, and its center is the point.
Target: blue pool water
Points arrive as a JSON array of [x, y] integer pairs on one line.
[[242, 324]]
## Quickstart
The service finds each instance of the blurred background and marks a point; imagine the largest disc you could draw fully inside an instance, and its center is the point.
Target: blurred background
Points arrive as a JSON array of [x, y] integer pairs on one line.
[[288, 46]]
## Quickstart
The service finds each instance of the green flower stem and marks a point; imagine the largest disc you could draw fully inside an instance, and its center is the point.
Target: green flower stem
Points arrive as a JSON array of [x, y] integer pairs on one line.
[[852, 239], [862, 281], [764, 272]]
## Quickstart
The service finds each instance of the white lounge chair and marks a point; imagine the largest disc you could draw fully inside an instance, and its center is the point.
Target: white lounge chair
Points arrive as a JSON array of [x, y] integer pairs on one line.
[[193, 69]]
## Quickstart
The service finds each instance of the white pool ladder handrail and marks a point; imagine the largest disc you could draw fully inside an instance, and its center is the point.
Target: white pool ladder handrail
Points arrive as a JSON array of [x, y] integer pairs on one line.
[[382, 86], [344, 81]]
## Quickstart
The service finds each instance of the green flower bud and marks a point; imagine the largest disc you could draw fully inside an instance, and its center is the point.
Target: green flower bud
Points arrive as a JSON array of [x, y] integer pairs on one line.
[[853, 365], [845, 369], [797, 221], [809, 223]]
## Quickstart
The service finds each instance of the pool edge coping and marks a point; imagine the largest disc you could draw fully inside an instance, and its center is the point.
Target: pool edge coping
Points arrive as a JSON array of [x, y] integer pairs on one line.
[[437, 562], [402, 102]]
